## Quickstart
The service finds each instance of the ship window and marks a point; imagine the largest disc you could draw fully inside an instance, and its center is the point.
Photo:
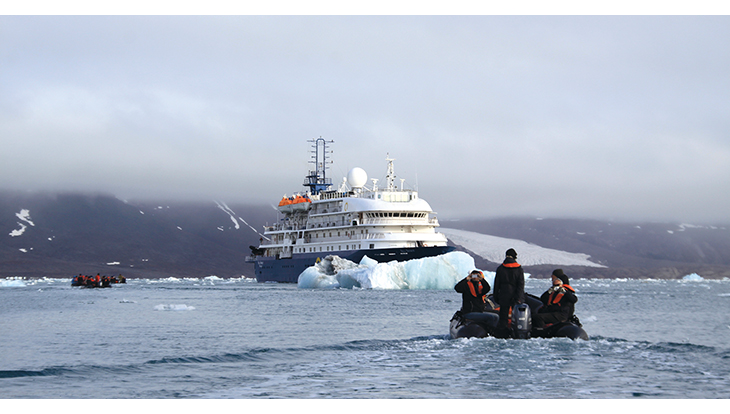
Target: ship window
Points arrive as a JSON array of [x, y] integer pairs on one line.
[[372, 246]]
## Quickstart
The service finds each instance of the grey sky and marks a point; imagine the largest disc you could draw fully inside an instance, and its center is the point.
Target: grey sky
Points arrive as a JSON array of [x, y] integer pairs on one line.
[[603, 117]]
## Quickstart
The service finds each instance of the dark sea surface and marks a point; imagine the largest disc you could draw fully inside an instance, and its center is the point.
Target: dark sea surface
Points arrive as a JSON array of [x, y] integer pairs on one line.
[[214, 338]]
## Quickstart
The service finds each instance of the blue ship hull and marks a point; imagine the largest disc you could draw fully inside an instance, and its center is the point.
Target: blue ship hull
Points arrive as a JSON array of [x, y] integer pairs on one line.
[[270, 269]]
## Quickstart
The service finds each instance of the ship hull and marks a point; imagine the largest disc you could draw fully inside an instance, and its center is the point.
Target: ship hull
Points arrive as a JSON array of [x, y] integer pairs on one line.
[[270, 269]]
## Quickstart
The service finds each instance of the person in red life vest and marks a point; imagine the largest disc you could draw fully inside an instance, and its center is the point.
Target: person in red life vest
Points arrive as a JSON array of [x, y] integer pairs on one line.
[[558, 302], [509, 289], [473, 289]]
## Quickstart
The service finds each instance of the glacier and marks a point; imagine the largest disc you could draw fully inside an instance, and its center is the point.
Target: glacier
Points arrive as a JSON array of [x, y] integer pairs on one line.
[[437, 272], [492, 248]]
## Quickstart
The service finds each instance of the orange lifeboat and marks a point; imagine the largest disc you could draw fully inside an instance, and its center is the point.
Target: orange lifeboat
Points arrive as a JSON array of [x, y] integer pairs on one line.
[[296, 202]]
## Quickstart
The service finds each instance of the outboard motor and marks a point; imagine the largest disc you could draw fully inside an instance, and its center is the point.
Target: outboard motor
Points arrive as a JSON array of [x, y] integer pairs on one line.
[[521, 321]]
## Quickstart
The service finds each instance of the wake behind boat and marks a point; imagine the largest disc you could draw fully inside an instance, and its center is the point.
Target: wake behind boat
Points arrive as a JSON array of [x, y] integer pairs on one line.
[[351, 222]]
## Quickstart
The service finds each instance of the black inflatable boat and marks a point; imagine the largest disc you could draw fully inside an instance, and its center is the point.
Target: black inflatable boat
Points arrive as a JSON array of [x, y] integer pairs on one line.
[[482, 324]]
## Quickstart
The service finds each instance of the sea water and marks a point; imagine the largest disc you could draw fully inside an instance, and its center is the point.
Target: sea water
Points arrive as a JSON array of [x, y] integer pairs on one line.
[[235, 338]]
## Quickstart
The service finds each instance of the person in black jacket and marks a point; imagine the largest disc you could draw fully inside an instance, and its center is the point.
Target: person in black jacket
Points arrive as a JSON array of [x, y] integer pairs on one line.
[[558, 302], [509, 289], [473, 289]]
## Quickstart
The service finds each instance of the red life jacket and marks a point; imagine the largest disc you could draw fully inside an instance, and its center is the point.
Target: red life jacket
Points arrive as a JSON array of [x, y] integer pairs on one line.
[[555, 297], [473, 291]]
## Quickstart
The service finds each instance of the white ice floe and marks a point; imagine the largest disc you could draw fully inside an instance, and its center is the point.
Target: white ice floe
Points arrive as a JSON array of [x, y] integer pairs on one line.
[[12, 283], [492, 248], [213, 278], [174, 308]]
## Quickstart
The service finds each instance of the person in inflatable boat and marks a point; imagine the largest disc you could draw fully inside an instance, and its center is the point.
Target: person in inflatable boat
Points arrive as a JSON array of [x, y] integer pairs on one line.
[[473, 288], [558, 302], [509, 290]]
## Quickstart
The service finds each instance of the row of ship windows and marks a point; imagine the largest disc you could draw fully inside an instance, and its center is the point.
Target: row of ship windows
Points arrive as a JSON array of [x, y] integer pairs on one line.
[[278, 238], [330, 248], [396, 214], [347, 233]]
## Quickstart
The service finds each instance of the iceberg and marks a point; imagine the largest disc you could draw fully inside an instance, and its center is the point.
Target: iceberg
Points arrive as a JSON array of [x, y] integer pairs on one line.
[[693, 277], [437, 272]]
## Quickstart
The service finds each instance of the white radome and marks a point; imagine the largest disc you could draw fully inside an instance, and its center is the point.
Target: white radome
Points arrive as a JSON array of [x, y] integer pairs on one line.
[[357, 177]]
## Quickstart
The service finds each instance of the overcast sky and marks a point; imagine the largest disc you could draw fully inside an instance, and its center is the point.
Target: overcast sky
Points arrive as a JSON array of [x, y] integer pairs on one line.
[[625, 118]]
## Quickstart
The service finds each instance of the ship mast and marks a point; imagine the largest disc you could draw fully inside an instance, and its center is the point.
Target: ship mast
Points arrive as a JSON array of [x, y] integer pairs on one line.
[[317, 179], [390, 176]]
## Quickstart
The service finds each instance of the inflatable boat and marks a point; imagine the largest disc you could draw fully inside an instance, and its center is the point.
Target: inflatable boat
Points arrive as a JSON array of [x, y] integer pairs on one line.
[[91, 282], [483, 324]]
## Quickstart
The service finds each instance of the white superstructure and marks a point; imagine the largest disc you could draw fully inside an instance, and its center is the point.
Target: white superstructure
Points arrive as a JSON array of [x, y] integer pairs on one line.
[[354, 217]]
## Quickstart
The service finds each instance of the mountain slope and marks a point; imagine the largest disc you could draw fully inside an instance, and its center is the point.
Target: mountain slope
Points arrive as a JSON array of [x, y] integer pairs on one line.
[[72, 233], [633, 250], [59, 235]]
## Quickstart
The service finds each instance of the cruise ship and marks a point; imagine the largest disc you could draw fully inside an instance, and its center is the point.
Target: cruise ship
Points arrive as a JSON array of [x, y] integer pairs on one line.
[[351, 222]]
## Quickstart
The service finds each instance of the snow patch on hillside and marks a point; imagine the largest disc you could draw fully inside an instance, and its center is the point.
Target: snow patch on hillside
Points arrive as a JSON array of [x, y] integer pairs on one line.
[[24, 215], [492, 248], [230, 212]]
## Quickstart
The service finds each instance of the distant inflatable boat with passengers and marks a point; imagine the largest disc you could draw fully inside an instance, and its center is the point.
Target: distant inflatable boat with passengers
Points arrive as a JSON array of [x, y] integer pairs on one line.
[[483, 324]]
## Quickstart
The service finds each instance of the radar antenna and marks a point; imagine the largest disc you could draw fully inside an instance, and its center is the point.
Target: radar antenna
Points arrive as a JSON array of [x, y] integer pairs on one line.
[[317, 179]]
